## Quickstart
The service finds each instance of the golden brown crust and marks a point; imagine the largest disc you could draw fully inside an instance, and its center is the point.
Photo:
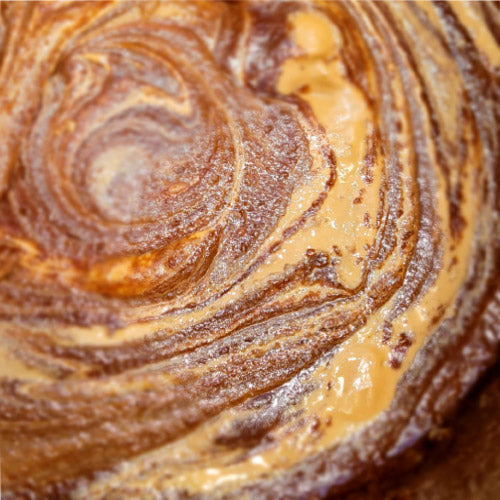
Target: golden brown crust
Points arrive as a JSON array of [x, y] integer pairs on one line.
[[245, 248]]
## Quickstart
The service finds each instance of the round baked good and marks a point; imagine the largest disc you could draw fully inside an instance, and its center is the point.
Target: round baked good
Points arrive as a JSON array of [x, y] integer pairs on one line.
[[247, 250]]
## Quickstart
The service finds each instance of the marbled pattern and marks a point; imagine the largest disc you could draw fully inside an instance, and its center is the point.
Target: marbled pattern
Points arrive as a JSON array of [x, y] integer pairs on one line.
[[246, 249]]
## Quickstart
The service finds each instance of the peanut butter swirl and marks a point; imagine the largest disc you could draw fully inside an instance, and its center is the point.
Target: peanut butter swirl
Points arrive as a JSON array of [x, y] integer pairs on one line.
[[247, 250]]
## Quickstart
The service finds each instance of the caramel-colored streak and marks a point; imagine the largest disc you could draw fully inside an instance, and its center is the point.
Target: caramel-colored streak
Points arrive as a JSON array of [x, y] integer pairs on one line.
[[245, 248]]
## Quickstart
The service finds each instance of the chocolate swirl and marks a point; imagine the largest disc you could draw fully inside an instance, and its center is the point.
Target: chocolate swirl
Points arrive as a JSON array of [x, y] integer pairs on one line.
[[247, 249]]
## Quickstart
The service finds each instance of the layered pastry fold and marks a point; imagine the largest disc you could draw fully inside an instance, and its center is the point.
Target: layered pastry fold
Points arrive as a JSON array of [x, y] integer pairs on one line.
[[247, 249]]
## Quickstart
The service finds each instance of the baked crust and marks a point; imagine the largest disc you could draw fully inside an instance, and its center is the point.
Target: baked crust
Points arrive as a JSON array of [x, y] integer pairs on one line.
[[247, 249]]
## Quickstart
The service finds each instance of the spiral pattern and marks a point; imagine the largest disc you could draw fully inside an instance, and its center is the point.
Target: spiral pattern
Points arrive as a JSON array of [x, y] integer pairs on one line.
[[248, 249]]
